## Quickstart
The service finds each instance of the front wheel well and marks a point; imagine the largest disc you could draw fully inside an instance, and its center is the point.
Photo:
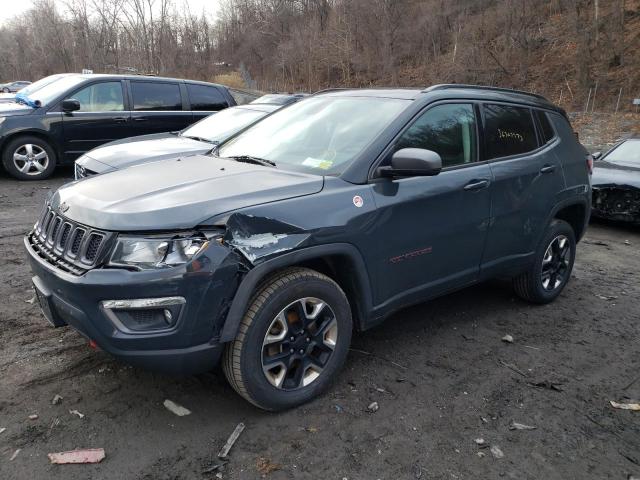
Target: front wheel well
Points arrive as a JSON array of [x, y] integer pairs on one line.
[[341, 262], [574, 215], [30, 133], [341, 269]]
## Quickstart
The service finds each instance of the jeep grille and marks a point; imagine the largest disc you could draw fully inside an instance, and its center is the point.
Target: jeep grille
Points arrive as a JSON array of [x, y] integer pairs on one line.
[[71, 247]]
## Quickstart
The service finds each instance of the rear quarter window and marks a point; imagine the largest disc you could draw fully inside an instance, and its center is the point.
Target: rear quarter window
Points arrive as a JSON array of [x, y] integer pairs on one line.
[[508, 130], [205, 98], [546, 130]]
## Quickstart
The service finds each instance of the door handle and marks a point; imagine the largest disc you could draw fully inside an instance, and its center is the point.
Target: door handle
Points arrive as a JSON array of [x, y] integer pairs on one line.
[[120, 119], [477, 184], [547, 169], [139, 119]]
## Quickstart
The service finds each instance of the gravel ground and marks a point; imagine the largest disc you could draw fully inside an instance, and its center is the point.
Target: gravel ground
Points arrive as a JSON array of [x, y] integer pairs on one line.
[[439, 372]]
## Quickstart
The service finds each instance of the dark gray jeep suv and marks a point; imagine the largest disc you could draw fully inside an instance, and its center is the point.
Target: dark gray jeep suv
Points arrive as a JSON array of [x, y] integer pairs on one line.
[[323, 218]]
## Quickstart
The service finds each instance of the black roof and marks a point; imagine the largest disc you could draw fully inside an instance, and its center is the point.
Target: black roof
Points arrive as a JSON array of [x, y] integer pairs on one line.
[[453, 90], [89, 76], [401, 93], [445, 86]]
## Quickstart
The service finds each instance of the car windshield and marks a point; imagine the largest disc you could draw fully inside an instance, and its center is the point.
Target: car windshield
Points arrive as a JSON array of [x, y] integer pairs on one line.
[[320, 135], [220, 126], [50, 92], [29, 89], [626, 154]]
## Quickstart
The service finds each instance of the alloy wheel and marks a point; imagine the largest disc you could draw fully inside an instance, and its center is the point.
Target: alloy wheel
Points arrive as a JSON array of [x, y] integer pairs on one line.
[[555, 263], [299, 343], [30, 159]]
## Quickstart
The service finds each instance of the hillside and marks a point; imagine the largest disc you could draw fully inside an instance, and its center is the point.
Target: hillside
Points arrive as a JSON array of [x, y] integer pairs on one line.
[[557, 48], [568, 50]]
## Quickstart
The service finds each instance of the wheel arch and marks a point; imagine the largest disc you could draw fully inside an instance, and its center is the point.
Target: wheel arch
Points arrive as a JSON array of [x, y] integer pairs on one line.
[[342, 262], [576, 213], [41, 134]]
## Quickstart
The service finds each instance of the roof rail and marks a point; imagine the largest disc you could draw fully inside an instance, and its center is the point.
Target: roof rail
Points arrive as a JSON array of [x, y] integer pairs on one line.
[[482, 87]]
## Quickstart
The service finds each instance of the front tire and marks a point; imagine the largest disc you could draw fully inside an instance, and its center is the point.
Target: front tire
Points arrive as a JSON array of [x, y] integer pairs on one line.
[[29, 158], [552, 266], [292, 341]]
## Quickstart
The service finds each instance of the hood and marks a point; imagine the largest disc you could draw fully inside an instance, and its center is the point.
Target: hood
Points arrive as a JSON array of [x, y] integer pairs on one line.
[[8, 109], [177, 194], [610, 174], [146, 148]]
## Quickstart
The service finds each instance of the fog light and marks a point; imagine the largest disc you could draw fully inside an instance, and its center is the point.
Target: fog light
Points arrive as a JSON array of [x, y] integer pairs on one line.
[[144, 314]]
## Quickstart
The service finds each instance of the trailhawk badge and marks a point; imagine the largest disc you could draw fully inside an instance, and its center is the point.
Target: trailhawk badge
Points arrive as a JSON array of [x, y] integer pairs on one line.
[[357, 201], [64, 207]]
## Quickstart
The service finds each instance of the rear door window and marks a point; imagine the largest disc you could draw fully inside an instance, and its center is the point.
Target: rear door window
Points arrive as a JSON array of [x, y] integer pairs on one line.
[[150, 96], [508, 130], [205, 98], [449, 130]]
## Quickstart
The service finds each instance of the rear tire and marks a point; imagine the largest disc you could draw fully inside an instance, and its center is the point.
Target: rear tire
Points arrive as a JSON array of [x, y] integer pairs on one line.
[[29, 158], [552, 265], [296, 310]]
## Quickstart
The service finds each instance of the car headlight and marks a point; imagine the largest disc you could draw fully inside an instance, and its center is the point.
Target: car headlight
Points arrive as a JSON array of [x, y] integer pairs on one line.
[[145, 253]]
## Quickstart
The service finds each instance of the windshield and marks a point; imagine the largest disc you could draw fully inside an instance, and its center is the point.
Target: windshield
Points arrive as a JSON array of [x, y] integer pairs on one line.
[[220, 126], [321, 135], [53, 90], [626, 154], [29, 89]]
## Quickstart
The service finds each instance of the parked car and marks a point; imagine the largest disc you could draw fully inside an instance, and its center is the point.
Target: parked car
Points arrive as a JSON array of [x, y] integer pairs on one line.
[[13, 87], [325, 217], [616, 182], [75, 113], [199, 138]]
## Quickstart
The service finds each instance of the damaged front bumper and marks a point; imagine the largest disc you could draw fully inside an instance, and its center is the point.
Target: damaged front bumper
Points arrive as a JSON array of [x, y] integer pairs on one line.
[[194, 298], [621, 203]]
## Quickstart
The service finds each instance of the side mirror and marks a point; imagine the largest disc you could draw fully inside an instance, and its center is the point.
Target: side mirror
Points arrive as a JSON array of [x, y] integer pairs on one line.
[[70, 105], [413, 162], [597, 155]]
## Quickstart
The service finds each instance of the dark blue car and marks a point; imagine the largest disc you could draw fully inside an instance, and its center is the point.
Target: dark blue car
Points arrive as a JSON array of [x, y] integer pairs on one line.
[[321, 219]]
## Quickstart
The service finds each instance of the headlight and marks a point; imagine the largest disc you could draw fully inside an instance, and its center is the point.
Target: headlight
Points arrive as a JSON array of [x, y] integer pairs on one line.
[[157, 252]]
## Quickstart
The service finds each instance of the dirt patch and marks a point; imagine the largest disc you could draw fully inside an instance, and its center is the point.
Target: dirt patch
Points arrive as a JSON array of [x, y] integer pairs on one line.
[[439, 372]]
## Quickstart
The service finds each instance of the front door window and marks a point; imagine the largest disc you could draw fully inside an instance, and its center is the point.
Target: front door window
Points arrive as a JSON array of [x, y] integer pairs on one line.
[[449, 130], [101, 97]]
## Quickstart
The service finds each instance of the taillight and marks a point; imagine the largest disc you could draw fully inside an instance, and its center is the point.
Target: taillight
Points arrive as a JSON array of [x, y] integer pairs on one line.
[[590, 164]]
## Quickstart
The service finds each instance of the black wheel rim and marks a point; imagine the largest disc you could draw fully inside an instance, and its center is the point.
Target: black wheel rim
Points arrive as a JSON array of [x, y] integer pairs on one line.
[[555, 263], [299, 343]]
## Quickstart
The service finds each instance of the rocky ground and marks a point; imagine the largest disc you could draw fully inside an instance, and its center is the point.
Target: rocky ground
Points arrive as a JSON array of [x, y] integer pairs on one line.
[[441, 376]]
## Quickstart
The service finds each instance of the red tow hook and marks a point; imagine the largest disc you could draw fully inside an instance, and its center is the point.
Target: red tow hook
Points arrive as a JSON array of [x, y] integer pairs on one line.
[[94, 345]]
